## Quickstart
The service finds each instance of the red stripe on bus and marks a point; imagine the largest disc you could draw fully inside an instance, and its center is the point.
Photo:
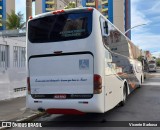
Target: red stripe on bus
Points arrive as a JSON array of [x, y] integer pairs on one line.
[[64, 111]]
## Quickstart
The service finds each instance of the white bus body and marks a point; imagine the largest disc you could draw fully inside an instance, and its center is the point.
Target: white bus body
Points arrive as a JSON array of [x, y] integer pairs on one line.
[[152, 66], [71, 69]]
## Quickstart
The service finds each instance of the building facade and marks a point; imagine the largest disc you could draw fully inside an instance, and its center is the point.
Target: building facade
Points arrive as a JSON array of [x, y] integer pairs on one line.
[[42, 6], [12, 64], [148, 55], [117, 11], [6, 6]]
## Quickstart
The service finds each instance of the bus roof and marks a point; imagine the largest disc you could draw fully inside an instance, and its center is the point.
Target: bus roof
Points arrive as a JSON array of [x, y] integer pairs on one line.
[[73, 10]]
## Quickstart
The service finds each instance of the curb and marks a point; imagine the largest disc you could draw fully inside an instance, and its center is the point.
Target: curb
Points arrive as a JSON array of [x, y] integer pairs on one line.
[[28, 118]]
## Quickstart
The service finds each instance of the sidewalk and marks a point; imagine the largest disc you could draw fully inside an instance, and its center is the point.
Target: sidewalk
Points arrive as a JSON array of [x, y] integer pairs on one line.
[[15, 110]]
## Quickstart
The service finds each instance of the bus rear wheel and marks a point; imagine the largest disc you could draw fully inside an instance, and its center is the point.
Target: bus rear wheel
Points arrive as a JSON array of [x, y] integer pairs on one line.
[[122, 103], [139, 86]]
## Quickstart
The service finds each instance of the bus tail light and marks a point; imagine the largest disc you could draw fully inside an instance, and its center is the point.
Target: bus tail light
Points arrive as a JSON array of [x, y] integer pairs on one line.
[[97, 84], [90, 9], [28, 85], [58, 11], [30, 17]]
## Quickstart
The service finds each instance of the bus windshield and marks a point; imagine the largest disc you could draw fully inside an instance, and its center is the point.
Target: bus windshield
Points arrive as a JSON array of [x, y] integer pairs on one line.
[[152, 62], [61, 27]]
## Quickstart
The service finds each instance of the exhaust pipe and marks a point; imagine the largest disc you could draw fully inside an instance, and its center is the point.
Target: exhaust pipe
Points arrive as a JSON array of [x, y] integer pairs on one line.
[[41, 109]]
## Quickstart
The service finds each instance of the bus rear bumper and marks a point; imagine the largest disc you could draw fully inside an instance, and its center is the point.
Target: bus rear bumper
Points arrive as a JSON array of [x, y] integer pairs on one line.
[[71, 106]]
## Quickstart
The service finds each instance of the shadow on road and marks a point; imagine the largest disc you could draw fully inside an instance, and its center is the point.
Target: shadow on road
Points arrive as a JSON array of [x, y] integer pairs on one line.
[[90, 119]]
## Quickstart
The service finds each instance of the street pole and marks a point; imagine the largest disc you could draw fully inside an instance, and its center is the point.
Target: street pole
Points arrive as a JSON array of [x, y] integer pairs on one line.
[[96, 4], [128, 31], [28, 9], [134, 27]]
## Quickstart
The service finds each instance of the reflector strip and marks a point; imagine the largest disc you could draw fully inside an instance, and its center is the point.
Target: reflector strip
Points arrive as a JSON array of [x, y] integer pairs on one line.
[[64, 111]]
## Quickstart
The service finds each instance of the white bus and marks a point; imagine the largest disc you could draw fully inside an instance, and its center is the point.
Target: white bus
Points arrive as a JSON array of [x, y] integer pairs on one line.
[[152, 66], [73, 67]]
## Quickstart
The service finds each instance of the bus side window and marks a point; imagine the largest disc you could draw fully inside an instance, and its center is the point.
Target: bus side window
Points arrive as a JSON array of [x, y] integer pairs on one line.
[[104, 27], [108, 56]]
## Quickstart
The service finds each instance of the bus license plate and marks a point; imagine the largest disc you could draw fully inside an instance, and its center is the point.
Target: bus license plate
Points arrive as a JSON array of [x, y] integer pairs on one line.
[[60, 96]]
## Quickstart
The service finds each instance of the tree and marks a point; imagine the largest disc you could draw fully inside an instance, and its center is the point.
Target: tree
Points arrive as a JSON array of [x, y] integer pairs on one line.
[[14, 21], [70, 5], [140, 58], [158, 62], [154, 57]]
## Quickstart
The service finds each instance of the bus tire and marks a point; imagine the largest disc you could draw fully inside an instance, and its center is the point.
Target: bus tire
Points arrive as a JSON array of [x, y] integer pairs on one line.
[[122, 103], [139, 86]]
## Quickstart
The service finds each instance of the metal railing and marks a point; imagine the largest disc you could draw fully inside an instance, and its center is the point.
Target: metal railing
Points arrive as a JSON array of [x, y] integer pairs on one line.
[[12, 33]]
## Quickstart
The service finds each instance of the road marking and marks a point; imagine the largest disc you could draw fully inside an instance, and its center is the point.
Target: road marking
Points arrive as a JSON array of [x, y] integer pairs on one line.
[[155, 74], [152, 83]]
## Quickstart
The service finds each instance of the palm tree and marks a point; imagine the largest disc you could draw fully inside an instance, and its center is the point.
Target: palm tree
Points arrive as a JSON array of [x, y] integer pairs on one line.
[[14, 21], [70, 5]]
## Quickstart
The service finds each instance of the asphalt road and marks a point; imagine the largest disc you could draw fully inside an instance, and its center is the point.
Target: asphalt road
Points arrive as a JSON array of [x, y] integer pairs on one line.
[[142, 105]]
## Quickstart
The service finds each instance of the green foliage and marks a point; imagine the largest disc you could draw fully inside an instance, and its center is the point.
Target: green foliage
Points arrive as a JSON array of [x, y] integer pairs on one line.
[[140, 58], [154, 57], [70, 5], [158, 62], [14, 21]]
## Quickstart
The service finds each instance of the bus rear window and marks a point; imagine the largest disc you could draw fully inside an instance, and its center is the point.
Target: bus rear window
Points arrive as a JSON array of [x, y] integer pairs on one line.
[[60, 27]]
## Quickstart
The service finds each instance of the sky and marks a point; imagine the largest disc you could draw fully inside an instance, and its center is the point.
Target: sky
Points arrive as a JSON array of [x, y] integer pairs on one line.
[[147, 12], [147, 37]]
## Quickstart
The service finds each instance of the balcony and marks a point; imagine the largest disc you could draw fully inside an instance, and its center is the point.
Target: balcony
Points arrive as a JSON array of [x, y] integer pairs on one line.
[[50, 9], [105, 14], [90, 4], [104, 2], [104, 10], [50, 2]]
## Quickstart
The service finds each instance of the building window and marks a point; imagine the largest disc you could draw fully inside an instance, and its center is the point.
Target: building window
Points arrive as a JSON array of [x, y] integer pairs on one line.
[[19, 56], [90, 1], [49, 6], [4, 56]]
